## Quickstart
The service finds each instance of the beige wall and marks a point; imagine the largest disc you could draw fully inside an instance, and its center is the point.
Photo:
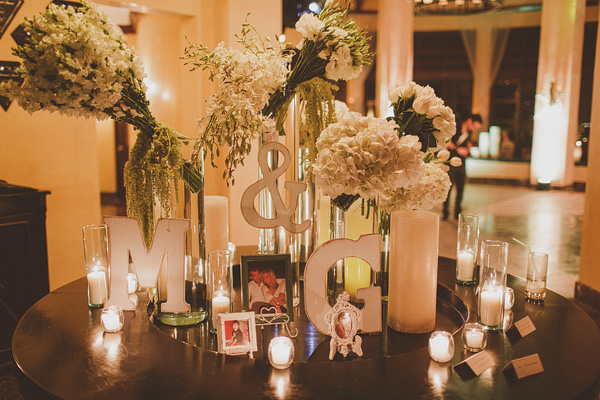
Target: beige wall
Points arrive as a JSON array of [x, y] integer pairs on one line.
[[51, 152]]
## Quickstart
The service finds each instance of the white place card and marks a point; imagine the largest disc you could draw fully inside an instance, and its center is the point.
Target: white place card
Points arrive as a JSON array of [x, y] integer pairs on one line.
[[525, 326], [526, 366], [479, 362]]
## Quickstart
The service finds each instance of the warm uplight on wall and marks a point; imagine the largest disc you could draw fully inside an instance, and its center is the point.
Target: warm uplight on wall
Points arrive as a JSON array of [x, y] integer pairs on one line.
[[550, 131]]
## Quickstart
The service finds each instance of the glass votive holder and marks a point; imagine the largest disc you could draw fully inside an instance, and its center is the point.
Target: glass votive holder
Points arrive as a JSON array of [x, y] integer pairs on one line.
[[441, 346], [537, 269], [474, 337], [509, 298], [281, 352], [112, 318], [219, 285], [466, 248], [95, 251]]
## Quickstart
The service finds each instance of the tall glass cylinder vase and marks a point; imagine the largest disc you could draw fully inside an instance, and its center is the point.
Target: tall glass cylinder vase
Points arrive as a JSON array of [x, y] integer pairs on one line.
[[492, 284], [278, 240], [220, 290], [190, 206], [414, 237], [381, 225]]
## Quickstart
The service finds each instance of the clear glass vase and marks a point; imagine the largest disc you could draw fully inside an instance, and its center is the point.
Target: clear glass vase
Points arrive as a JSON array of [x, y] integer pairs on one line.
[[187, 205]]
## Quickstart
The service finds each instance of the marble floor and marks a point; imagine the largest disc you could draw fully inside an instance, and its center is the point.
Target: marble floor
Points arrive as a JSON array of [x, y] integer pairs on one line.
[[548, 221]]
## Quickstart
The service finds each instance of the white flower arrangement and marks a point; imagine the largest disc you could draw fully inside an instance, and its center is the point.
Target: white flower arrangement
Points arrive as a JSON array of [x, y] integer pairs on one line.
[[362, 156], [77, 64], [418, 111], [332, 46], [394, 166], [247, 78]]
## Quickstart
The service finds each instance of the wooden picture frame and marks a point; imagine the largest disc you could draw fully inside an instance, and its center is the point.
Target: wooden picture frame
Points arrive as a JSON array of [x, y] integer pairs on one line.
[[276, 303], [236, 333]]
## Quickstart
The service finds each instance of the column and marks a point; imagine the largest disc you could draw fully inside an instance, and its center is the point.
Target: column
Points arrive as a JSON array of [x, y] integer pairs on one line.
[[589, 269], [557, 92], [395, 21], [482, 73]]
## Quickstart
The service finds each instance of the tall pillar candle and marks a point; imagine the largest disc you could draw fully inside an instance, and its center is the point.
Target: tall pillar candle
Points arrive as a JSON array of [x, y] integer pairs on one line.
[[216, 222], [412, 296]]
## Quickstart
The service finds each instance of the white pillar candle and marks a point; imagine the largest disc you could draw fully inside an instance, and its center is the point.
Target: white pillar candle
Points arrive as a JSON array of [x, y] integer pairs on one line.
[[97, 287], [474, 339], [464, 264], [216, 223], [280, 354], [491, 305], [414, 239], [220, 304]]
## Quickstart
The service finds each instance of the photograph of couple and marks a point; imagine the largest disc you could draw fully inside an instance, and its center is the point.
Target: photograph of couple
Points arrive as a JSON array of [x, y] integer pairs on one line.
[[266, 290]]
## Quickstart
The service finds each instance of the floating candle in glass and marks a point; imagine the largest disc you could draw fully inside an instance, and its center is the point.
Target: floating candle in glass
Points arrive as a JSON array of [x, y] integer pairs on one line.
[[281, 352], [112, 318], [441, 346], [474, 337]]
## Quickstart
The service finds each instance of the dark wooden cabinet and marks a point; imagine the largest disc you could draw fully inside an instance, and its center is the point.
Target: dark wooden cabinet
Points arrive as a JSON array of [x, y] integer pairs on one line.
[[23, 258]]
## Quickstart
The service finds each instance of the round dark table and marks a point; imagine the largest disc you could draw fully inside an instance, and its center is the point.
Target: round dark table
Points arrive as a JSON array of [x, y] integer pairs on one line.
[[61, 348]]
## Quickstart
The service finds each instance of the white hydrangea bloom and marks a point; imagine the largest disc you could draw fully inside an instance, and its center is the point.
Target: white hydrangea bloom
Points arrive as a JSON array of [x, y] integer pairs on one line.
[[431, 189], [364, 156]]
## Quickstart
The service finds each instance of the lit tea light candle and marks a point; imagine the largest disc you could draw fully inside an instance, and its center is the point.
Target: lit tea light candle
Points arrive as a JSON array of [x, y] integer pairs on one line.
[[441, 346], [474, 337], [220, 305], [465, 266], [131, 283], [98, 289], [281, 352], [491, 305], [112, 319]]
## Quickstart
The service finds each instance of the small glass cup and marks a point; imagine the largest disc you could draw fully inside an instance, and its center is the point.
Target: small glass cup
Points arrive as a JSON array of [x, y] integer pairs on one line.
[[281, 352], [474, 337], [112, 318], [466, 248], [492, 283], [95, 251], [441, 346], [220, 263], [509, 298], [537, 269]]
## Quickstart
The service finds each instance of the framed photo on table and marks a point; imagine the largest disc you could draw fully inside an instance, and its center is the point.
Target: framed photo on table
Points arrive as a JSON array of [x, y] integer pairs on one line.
[[236, 333], [267, 287]]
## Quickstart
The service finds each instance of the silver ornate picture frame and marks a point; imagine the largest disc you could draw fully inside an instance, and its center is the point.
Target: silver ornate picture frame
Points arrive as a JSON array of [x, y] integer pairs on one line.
[[343, 321]]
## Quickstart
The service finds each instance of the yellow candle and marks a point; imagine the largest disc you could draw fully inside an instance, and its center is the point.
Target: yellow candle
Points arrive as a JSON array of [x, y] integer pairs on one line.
[[357, 273]]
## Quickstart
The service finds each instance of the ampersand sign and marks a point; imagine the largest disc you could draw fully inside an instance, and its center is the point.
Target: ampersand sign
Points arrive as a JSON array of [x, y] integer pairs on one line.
[[269, 181]]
